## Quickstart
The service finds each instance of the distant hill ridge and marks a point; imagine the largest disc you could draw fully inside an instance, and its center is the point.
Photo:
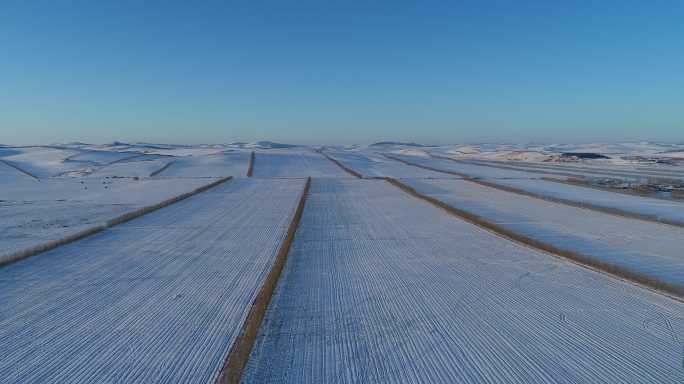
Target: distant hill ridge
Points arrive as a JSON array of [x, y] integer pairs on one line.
[[385, 143]]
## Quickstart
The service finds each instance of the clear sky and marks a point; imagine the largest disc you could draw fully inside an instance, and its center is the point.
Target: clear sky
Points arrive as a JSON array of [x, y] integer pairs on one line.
[[341, 71]]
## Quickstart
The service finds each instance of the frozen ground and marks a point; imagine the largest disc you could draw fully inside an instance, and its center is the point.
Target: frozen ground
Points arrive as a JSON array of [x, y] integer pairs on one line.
[[654, 209], [650, 208], [621, 154], [37, 212], [9, 174], [295, 163], [500, 171], [370, 164], [217, 164], [381, 287], [41, 162], [650, 249], [141, 166], [158, 299], [589, 171]]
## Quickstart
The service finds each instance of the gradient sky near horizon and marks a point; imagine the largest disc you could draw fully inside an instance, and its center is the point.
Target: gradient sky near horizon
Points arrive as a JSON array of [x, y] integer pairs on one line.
[[341, 71]]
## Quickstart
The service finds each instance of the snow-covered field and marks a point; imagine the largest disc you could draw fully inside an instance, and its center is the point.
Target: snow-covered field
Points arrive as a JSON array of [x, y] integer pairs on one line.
[[215, 164], [370, 164], [588, 171], [158, 299], [295, 163], [379, 285], [620, 154], [39, 212], [649, 249], [488, 172], [669, 211]]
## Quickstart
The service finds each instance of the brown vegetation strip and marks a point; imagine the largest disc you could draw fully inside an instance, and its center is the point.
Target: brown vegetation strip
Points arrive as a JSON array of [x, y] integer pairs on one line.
[[250, 167], [162, 169], [576, 204], [344, 167], [38, 249], [669, 289], [236, 361], [10, 164]]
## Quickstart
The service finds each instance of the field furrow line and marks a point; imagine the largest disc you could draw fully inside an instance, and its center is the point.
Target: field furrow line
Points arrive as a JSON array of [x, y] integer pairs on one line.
[[250, 166]]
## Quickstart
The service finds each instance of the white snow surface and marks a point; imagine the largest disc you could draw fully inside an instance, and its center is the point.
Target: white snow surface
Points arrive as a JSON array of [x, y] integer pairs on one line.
[[9, 174], [655, 209], [42, 162], [382, 287], [622, 172], [295, 163], [652, 208], [370, 164], [649, 249], [138, 167], [36, 212], [229, 163], [158, 299], [618, 153]]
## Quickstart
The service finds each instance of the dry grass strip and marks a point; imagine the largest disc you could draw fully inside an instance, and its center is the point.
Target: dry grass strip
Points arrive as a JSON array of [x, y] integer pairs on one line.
[[38, 249], [236, 361], [250, 167], [344, 167], [162, 169], [669, 289]]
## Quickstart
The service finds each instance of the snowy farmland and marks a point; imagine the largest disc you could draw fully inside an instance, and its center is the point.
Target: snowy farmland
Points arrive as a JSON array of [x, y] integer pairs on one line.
[[39, 212], [381, 287], [404, 263], [158, 299], [295, 163]]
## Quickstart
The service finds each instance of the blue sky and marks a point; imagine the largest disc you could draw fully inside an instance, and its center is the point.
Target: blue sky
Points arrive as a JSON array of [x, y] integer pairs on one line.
[[341, 71]]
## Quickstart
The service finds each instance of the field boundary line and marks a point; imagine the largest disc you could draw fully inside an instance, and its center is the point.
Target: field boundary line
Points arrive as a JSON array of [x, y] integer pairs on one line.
[[50, 245], [237, 358], [25, 172], [162, 169], [344, 167], [572, 203], [661, 287], [250, 166]]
